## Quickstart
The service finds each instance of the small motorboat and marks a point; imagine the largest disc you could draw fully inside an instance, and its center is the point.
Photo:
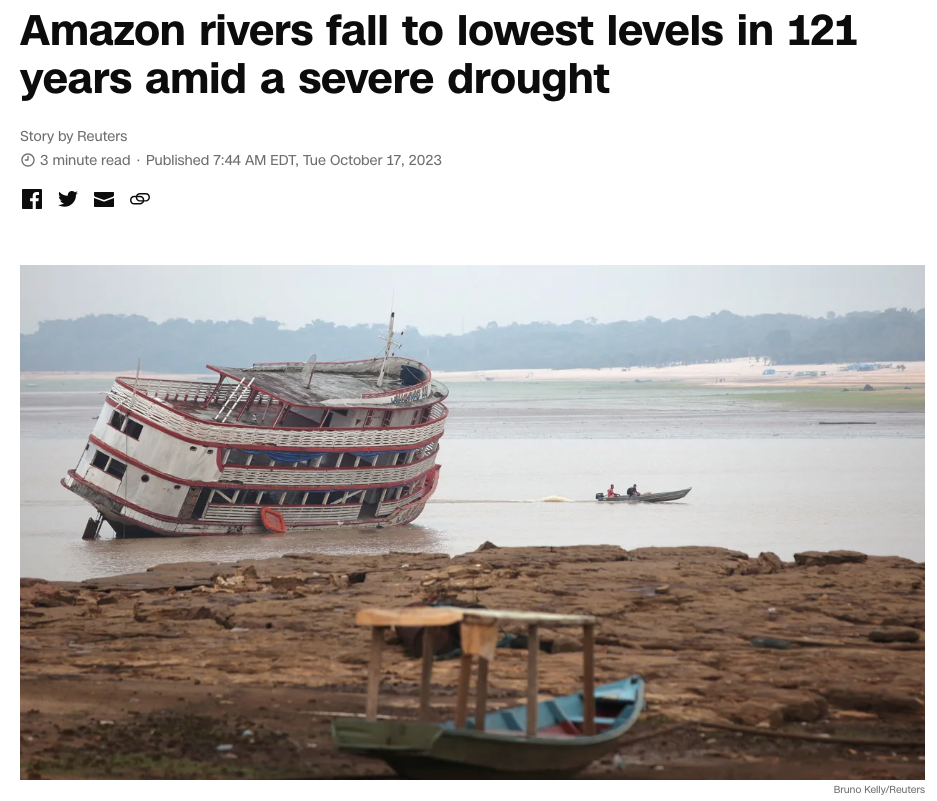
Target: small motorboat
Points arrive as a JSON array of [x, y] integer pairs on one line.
[[502, 749], [646, 497]]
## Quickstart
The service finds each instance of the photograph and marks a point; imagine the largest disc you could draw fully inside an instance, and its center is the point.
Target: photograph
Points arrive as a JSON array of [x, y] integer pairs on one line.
[[617, 522]]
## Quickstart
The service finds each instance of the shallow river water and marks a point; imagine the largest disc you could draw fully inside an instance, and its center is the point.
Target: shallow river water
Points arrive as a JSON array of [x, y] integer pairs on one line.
[[521, 466]]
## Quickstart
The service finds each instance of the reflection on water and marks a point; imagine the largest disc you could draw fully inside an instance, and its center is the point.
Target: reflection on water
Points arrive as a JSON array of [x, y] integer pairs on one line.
[[72, 558]]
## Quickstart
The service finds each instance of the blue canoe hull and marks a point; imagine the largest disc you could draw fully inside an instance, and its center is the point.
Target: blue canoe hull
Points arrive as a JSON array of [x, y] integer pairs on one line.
[[559, 749]]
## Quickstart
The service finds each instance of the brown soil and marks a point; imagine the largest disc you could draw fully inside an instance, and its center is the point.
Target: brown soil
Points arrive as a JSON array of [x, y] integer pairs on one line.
[[147, 675]]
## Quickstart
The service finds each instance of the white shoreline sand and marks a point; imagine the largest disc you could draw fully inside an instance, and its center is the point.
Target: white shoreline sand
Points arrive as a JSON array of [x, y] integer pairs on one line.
[[737, 372]]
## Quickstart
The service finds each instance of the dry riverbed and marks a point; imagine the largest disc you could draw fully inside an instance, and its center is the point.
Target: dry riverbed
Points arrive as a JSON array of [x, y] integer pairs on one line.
[[235, 670]]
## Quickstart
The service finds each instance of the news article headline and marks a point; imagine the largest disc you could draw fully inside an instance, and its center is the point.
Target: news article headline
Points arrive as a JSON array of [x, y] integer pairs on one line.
[[552, 84]]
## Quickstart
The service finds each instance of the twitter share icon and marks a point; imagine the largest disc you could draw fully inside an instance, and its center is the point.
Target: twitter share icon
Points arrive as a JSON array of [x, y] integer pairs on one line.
[[68, 198]]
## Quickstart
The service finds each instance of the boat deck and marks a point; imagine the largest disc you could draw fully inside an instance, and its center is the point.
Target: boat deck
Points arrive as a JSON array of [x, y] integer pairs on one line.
[[326, 387], [331, 387]]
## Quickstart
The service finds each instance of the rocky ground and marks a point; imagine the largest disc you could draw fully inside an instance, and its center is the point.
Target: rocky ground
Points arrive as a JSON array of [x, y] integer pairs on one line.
[[235, 670]]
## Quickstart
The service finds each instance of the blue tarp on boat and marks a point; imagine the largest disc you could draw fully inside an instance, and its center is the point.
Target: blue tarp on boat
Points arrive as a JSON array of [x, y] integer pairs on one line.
[[287, 456]]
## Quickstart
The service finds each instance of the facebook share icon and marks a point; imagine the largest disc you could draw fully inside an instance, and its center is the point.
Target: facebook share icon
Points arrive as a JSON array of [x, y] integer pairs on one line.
[[32, 198]]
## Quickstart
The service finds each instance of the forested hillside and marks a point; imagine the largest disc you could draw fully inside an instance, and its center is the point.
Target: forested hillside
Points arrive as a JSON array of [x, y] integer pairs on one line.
[[114, 342]]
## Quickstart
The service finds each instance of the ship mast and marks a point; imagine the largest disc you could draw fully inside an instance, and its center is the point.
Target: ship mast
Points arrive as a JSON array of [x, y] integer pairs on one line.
[[390, 344]]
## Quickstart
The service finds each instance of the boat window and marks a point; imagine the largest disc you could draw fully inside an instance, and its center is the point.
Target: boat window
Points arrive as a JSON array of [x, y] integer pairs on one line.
[[100, 460], [133, 429], [385, 422], [123, 423], [115, 468]]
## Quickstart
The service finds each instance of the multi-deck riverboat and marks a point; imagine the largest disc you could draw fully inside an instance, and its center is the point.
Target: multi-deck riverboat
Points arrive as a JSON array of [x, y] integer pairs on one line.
[[290, 446]]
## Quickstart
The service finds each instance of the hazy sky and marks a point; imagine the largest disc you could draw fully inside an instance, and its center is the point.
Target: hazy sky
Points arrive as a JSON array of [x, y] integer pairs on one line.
[[442, 300]]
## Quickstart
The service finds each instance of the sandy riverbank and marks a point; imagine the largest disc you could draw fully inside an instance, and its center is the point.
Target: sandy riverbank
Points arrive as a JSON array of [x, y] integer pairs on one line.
[[145, 675], [737, 372]]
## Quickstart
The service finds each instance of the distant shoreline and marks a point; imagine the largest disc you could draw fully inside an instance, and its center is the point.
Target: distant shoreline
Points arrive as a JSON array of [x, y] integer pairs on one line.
[[735, 373]]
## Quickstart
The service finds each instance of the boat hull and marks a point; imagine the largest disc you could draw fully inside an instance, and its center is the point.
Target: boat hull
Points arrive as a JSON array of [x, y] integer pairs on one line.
[[426, 751], [651, 497], [132, 523]]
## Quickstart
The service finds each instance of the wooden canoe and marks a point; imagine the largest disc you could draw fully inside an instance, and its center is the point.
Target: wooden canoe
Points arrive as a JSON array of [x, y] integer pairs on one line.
[[650, 497], [502, 749]]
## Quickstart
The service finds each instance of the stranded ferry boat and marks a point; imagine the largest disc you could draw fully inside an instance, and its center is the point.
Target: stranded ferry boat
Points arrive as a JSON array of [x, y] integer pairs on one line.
[[274, 447]]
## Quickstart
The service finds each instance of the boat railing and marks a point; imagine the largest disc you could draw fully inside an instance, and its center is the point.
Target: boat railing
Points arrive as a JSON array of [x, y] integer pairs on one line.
[[330, 477], [178, 422], [216, 395], [173, 390], [250, 515], [205, 393]]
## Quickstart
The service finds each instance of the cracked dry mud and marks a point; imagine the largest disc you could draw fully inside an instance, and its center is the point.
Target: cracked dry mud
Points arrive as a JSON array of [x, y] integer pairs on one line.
[[146, 675]]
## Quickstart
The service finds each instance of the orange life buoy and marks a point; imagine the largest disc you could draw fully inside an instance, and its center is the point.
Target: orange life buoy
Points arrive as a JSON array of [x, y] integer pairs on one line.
[[272, 520]]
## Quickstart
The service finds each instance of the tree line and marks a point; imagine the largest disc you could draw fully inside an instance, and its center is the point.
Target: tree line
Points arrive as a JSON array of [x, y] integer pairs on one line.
[[114, 342]]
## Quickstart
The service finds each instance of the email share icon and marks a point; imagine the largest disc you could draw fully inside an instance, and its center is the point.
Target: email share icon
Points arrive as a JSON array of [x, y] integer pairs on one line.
[[104, 200]]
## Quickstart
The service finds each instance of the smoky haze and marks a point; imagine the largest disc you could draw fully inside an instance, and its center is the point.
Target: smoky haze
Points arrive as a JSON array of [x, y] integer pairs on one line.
[[450, 300]]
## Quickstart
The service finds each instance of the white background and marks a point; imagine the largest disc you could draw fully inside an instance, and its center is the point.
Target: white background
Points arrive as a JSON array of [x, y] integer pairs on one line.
[[699, 155]]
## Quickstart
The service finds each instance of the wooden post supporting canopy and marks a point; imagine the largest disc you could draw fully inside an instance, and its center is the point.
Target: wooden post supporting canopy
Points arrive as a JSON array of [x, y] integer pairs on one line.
[[374, 671], [533, 683], [461, 703], [481, 694], [427, 673], [588, 679]]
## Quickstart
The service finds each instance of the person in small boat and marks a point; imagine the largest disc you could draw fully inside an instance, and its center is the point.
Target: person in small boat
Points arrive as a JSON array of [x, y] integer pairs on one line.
[[611, 492], [633, 491]]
